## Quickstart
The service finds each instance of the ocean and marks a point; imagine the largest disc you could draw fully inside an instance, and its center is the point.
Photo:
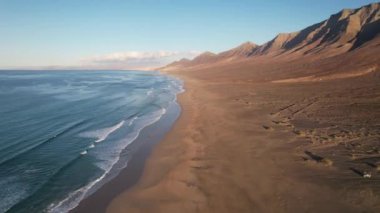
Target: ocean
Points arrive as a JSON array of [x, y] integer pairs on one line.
[[63, 132]]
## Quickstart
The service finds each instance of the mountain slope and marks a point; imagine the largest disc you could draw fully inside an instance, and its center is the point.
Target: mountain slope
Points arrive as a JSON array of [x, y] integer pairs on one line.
[[344, 31], [243, 50]]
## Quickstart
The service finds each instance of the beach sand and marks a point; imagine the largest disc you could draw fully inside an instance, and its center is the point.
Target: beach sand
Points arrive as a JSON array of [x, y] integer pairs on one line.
[[244, 146]]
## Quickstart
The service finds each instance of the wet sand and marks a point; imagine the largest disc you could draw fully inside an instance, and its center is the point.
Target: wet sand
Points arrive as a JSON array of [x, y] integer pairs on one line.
[[140, 150]]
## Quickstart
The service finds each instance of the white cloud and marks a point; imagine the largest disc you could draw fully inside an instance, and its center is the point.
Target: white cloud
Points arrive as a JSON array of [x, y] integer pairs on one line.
[[136, 59]]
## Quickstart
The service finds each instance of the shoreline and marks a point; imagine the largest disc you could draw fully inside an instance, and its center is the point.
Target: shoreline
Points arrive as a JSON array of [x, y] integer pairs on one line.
[[168, 164], [128, 176]]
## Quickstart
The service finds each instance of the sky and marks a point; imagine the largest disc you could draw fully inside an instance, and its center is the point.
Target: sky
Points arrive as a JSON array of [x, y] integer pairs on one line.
[[144, 34]]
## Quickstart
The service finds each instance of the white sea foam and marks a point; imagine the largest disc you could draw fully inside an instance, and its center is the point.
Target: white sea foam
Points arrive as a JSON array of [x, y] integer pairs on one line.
[[141, 123], [149, 92], [132, 120], [14, 191], [75, 197], [102, 134], [84, 152]]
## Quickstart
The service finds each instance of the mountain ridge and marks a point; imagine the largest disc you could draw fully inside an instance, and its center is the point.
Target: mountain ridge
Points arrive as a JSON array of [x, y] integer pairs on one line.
[[342, 32]]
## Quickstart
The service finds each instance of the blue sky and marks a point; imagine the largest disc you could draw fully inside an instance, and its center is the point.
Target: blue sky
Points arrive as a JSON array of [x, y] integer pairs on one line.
[[79, 32]]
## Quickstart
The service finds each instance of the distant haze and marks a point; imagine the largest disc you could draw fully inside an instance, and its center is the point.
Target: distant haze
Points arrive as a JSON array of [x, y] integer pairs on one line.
[[144, 34]]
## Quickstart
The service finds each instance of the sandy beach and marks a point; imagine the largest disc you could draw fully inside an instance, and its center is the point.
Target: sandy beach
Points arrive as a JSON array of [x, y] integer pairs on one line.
[[234, 149]]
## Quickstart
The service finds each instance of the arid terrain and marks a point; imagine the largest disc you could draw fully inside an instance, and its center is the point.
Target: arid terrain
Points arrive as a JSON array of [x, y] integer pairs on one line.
[[292, 125]]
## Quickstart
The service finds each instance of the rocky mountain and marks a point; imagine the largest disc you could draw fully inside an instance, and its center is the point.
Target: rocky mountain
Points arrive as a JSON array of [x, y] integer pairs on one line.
[[342, 32], [244, 50]]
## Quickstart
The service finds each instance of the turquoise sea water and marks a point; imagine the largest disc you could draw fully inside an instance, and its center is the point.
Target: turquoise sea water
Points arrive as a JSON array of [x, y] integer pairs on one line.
[[62, 131]]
